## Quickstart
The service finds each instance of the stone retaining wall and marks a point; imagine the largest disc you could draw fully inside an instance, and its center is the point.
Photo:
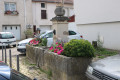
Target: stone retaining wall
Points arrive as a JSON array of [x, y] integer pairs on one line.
[[62, 67]]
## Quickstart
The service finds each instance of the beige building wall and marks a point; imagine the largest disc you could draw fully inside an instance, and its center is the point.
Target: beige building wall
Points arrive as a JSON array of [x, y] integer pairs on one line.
[[17, 19], [50, 8]]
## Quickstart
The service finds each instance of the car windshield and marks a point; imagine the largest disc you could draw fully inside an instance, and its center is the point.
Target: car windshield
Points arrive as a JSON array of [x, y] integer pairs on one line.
[[42, 33], [6, 36]]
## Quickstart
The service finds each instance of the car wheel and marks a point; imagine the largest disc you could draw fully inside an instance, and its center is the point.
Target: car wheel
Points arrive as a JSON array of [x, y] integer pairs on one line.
[[14, 45]]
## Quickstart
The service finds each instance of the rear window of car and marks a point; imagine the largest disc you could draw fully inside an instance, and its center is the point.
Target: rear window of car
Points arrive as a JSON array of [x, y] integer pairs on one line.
[[72, 33], [2, 77], [15, 75], [6, 36]]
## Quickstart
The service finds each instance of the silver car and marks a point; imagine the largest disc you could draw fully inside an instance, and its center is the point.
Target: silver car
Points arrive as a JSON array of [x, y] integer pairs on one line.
[[105, 69]]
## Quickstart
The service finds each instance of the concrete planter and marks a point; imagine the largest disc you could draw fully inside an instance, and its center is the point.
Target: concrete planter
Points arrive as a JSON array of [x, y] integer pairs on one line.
[[62, 67]]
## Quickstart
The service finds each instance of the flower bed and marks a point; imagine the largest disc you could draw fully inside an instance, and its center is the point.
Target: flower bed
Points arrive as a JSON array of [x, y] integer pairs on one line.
[[57, 48], [62, 67], [38, 42]]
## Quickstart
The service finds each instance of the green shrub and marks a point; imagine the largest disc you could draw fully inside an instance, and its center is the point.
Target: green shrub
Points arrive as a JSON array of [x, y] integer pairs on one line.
[[78, 48], [44, 42], [28, 32]]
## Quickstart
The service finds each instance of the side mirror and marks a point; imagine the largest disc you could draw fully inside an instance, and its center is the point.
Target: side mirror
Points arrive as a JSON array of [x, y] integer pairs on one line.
[[54, 32]]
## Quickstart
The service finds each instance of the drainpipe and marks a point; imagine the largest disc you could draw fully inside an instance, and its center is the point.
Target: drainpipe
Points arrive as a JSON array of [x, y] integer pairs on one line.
[[62, 2], [25, 13]]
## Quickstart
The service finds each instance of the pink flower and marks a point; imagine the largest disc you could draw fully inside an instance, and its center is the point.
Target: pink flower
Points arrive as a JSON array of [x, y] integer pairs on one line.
[[51, 48], [58, 52], [60, 46], [56, 42], [61, 50]]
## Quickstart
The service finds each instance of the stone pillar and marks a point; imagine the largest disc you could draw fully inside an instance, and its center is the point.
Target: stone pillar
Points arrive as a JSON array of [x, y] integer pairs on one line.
[[61, 28], [60, 25]]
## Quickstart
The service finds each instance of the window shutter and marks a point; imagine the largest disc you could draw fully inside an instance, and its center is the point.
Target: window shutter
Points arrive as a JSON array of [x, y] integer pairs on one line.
[[43, 14]]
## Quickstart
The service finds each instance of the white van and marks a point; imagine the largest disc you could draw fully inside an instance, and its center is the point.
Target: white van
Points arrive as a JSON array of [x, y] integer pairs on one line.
[[7, 39]]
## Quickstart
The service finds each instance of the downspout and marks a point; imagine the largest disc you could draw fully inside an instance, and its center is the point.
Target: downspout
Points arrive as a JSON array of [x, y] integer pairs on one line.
[[25, 13]]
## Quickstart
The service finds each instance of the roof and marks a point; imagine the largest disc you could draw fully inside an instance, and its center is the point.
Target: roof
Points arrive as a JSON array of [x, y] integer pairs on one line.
[[54, 1]]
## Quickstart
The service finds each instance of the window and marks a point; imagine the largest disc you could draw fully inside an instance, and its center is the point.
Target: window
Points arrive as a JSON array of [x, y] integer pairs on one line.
[[6, 36], [72, 33], [11, 28], [10, 6], [49, 35], [5, 28], [43, 14], [42, 5]]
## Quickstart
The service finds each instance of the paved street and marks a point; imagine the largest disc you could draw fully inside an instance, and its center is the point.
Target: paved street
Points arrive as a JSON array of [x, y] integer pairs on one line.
[[26, 67], [13, 52]]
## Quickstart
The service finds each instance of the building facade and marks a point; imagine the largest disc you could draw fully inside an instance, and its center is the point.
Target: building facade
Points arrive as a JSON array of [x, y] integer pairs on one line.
[[99, 20], [15, 15], [43, 12]]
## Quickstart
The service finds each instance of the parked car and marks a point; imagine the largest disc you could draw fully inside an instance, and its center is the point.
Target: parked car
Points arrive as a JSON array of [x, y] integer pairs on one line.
[[49, 36], [105, 69], [21, 46], [6, 73], [8, 39]]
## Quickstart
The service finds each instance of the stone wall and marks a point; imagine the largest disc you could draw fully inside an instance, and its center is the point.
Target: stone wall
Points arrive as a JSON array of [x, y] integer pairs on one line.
[[62, 67]]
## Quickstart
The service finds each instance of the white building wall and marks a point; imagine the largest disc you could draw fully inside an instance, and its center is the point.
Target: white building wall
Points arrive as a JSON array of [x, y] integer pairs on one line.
[[96, 11], [108, 31], [50, 8], [101, 18], [72, 26]]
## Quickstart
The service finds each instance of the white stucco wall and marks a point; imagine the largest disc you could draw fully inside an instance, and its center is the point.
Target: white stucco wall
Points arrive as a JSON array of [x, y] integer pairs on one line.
[[72, 26], [96, 11], [109, 31], [99, 17]]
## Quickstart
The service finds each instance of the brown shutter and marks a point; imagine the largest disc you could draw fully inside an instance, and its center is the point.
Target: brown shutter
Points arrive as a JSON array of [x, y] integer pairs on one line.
[[43, 14]]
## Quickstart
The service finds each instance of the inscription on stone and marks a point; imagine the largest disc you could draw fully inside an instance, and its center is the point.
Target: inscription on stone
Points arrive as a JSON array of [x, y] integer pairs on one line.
[[65, 33]]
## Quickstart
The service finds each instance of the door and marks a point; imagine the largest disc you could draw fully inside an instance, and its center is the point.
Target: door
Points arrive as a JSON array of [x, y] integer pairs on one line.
[[13, 29]]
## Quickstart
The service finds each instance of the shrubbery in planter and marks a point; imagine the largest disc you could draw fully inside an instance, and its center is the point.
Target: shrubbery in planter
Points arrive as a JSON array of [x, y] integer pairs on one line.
[[78, 48]]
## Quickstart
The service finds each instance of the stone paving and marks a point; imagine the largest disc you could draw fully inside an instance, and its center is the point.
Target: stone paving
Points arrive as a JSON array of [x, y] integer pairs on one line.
[[26, 67], [29, 69]]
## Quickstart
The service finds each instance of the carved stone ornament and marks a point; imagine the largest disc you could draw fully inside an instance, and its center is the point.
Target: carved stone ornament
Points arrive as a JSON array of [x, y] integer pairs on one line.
[[59, 11]]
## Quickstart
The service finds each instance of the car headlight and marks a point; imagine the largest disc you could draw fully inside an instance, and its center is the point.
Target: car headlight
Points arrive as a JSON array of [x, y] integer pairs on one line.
[[23, 44], [90, 69]]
